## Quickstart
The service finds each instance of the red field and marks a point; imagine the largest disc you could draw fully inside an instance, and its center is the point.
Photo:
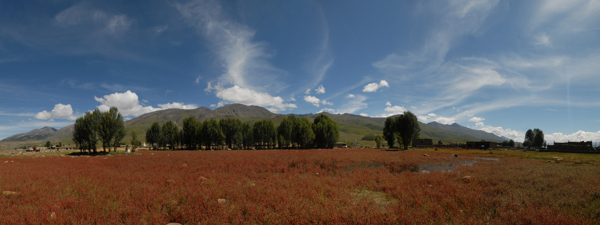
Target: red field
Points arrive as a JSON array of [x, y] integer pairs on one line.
[[297, 187]]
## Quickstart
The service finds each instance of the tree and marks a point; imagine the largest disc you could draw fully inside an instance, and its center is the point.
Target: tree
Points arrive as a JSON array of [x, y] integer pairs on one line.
[[247, 135], [528, 141], [389, 132], [265, 133], [170, 134], [407, 127], [134, 140], [111, 128], [440, 142], [303, 133], [153, 135], [538, 138], [85, 131], [191, 133], [284, 130], [511, 143], [326, 131], [48, 144], [231, 128], [378, 141], [212, 133]]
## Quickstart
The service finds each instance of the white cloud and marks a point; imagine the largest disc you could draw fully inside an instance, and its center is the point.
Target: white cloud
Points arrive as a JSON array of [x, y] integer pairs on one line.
[[128, 104], [353, 104], [63, 111], [246, 96], [60, 111], [177, 105], [393, 110], [542, 39], [431, 115], [320, 90], [292, 99], [444, 120], [332, 111], [372, 87], [159, 29], [364, 114], [476, 119], [197, 80], [43, 115], [326, 103], [245, 61], [307, 91], [83, 14], [312, 100], [577, 136], [388, 104], [218, 105], [509, 133]]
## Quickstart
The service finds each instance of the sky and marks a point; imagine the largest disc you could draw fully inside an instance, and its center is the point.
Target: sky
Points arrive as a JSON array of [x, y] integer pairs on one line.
[[498, 66]]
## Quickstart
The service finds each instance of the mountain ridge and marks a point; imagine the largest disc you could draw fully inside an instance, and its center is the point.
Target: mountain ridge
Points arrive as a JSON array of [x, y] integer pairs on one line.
[[351, 126]]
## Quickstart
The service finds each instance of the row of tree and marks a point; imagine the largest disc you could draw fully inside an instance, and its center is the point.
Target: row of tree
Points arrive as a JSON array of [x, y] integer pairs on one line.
[[233, 133], [534, 139], [107, 127], [509, 143], [402, 129]]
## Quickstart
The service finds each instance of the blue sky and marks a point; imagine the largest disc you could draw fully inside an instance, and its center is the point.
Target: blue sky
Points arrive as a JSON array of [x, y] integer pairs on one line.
[[499, 66]]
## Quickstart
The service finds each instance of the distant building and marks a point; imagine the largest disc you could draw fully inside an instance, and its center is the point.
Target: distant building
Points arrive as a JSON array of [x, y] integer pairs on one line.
[[481, 145], [422, 143], [341, 145], [574, 147]]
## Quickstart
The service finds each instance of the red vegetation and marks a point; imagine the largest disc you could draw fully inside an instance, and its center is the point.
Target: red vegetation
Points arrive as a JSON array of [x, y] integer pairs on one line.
[[296, 187]]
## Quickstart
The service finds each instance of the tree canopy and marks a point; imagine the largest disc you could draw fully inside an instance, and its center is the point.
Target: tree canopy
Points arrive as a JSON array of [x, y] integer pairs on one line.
[[407, 127], [326, 131], [389, 131]]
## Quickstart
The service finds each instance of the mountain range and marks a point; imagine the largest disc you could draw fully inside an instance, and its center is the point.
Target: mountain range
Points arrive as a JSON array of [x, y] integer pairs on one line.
[[352, 127]]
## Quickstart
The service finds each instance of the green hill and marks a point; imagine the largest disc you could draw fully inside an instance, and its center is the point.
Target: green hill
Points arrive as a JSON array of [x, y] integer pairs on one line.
[[352, 127]]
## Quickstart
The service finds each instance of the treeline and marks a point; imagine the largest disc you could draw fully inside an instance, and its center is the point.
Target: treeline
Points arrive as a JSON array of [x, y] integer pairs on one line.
[[402, 130], [292, 132], [107, 127]]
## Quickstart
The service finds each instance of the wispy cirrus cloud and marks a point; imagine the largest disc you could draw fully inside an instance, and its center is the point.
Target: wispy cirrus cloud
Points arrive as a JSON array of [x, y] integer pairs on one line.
[[244, 60]]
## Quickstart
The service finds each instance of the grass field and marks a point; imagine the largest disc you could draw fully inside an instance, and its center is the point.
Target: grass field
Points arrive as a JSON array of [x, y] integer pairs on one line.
[[353, 186]]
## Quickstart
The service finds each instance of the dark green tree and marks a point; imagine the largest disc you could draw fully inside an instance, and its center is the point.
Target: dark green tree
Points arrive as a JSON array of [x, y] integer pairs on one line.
[[212, 135], [191, 133], [528, 141], [230, 127], [154, 135], [48, 144], [265, 133], [378, 141], [111, 128], [538, 138], [284, 130], [511, 143], [389, 132], [326, 131], [85, 131], [134, 141], [247, 135], [407, 127], [303, 134], [170, 134]]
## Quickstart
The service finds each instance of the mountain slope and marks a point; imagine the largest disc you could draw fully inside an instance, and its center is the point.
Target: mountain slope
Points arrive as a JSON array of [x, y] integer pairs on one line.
[[352, 127], [37, 134], [475, 134]]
